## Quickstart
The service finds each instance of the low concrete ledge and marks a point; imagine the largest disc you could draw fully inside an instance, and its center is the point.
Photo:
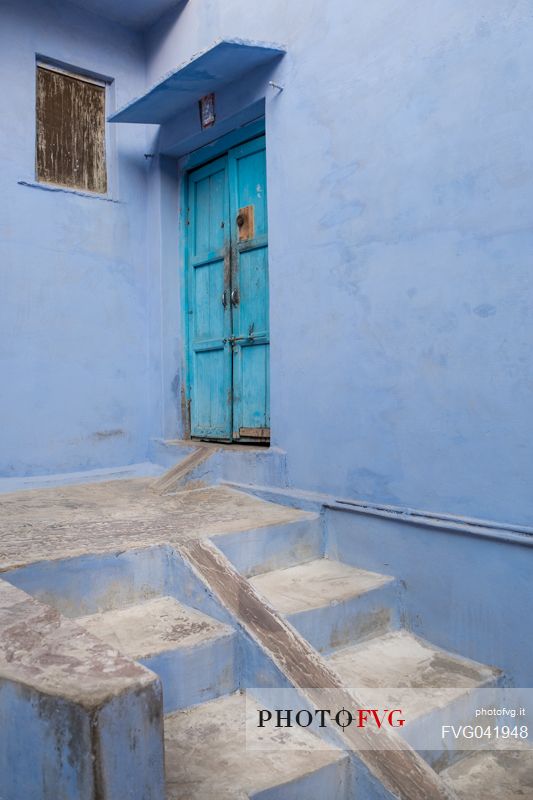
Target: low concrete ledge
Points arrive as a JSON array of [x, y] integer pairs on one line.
[[78, 721], [197, 463]]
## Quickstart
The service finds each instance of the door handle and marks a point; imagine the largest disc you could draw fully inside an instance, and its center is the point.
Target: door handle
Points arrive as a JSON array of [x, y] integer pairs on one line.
[[224, 299], [234, 297]]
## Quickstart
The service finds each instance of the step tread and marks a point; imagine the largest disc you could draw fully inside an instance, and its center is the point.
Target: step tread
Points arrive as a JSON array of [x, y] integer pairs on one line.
[[493, 775], [154, 626], [315, 584], [399, 659], [206, 755]]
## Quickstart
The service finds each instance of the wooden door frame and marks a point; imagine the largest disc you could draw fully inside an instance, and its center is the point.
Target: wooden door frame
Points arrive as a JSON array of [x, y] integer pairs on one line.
[[199, 158]]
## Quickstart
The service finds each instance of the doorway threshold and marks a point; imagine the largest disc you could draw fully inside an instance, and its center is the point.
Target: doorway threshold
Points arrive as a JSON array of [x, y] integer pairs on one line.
[[241, 445]]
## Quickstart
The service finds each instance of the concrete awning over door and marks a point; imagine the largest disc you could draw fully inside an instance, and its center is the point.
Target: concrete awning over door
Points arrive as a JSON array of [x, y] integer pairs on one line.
[[223, 63]]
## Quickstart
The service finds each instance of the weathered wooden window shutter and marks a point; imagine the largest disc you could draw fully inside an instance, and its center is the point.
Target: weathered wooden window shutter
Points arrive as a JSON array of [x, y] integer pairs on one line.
[[70, 131]]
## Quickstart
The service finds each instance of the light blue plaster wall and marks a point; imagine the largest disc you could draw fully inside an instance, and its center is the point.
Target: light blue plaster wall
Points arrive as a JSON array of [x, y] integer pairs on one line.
[[400, 177], [73, 326]]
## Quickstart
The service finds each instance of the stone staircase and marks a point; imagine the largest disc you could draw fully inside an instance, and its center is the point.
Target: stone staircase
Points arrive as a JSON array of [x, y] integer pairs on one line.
[[199, 661], [193, 630], [353, 618]]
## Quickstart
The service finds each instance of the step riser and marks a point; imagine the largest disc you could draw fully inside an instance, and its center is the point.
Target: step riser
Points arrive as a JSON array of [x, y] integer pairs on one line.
[[331, 782], [194, 675], [349, 621], [258, 670], [91, 584], [267, 549]]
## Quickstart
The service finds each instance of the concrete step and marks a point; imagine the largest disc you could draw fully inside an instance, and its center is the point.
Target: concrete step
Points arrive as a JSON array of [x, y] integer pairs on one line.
[[399, 659], [493, 775], [194, 655], [330, 603], [206, 757], [431, 686]]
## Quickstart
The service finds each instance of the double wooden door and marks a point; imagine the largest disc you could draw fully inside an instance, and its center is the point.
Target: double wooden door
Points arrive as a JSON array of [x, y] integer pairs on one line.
[[227, 265]]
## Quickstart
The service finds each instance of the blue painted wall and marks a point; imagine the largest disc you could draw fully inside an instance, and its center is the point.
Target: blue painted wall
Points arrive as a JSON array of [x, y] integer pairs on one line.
[[400, 183], [462, 592], [73, 324], [400, 180]]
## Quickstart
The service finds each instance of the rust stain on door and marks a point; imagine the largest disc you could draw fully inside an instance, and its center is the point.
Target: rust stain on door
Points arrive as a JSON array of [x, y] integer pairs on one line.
[[246, 223]]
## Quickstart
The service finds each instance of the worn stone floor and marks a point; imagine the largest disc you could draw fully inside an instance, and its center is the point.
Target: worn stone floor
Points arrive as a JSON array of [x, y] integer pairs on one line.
[[493, 775], [104, 517]]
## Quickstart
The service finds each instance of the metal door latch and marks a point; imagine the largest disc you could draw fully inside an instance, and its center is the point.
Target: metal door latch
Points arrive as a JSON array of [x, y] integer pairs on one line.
[[233, 339]]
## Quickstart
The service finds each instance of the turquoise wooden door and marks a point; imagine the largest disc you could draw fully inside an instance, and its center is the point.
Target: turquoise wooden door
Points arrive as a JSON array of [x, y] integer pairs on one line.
[[228, 297]]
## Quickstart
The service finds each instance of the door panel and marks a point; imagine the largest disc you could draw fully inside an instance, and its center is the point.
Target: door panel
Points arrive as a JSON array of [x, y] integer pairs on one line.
[[249, 278], [251, 315], [209, 311], [253, 378]]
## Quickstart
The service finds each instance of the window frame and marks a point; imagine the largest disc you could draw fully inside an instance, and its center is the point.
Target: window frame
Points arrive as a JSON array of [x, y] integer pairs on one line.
[[108, 85]]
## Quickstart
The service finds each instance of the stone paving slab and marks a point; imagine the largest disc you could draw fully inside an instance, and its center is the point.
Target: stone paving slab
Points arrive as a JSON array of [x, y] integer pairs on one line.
[[152, 627], [315, 584], [47, 524], [206, 755]]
